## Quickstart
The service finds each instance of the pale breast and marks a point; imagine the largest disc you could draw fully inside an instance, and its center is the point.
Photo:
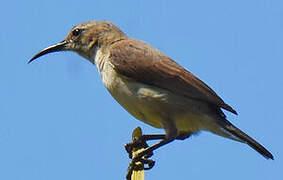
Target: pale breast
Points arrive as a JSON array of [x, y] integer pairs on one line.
[[150, 104], [128, 93]]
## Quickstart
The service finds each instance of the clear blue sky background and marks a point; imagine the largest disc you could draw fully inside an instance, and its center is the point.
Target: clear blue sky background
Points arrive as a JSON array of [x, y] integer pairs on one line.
[[57, 121]]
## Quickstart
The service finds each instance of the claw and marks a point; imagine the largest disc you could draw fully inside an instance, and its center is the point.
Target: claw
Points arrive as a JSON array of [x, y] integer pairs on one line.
[[150, 163], [139, 152]]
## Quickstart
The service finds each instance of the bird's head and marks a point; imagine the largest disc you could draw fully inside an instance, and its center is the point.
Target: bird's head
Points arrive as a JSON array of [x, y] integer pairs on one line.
[[85, 39]]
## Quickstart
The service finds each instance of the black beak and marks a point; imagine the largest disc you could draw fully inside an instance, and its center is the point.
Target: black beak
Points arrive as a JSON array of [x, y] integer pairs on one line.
[[61, 46]]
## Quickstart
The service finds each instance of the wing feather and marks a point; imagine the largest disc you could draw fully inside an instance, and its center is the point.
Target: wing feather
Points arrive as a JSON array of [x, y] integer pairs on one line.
[[144, 63]]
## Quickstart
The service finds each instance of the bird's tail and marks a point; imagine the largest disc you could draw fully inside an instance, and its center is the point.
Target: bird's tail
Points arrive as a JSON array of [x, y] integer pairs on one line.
[[239, 135]]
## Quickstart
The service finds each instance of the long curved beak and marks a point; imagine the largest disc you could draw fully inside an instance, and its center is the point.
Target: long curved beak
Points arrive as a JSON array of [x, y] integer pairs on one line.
[[61, 46]]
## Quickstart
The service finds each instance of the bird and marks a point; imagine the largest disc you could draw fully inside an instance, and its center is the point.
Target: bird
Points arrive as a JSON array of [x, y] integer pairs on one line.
[[151, 86]]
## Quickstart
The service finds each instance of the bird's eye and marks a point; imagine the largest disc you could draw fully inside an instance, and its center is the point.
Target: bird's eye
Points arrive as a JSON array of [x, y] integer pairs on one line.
[[77, 32]]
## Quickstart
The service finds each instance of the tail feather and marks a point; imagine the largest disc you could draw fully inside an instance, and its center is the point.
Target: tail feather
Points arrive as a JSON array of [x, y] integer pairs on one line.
[[225, 124]]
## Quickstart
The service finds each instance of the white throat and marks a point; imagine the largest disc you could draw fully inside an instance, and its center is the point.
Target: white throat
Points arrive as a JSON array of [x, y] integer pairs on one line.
[[99, 61]]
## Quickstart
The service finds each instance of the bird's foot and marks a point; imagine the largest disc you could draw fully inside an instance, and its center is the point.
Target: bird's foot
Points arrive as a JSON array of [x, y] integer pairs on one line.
[[136, 144], [139, 152], [140, 161], [143, 157]]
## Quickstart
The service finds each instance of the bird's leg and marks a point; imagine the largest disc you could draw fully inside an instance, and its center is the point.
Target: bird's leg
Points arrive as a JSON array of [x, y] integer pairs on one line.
[[137, 145], [140, 141], [148, 151], [145, 154], [170, 135], [148, 137]]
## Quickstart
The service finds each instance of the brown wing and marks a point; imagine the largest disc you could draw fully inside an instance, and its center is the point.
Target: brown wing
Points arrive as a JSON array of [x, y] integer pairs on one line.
[[140, 61]]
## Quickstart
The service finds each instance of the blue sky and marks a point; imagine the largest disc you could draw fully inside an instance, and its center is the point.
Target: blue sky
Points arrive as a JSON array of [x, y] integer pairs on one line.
[[57, 121]]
